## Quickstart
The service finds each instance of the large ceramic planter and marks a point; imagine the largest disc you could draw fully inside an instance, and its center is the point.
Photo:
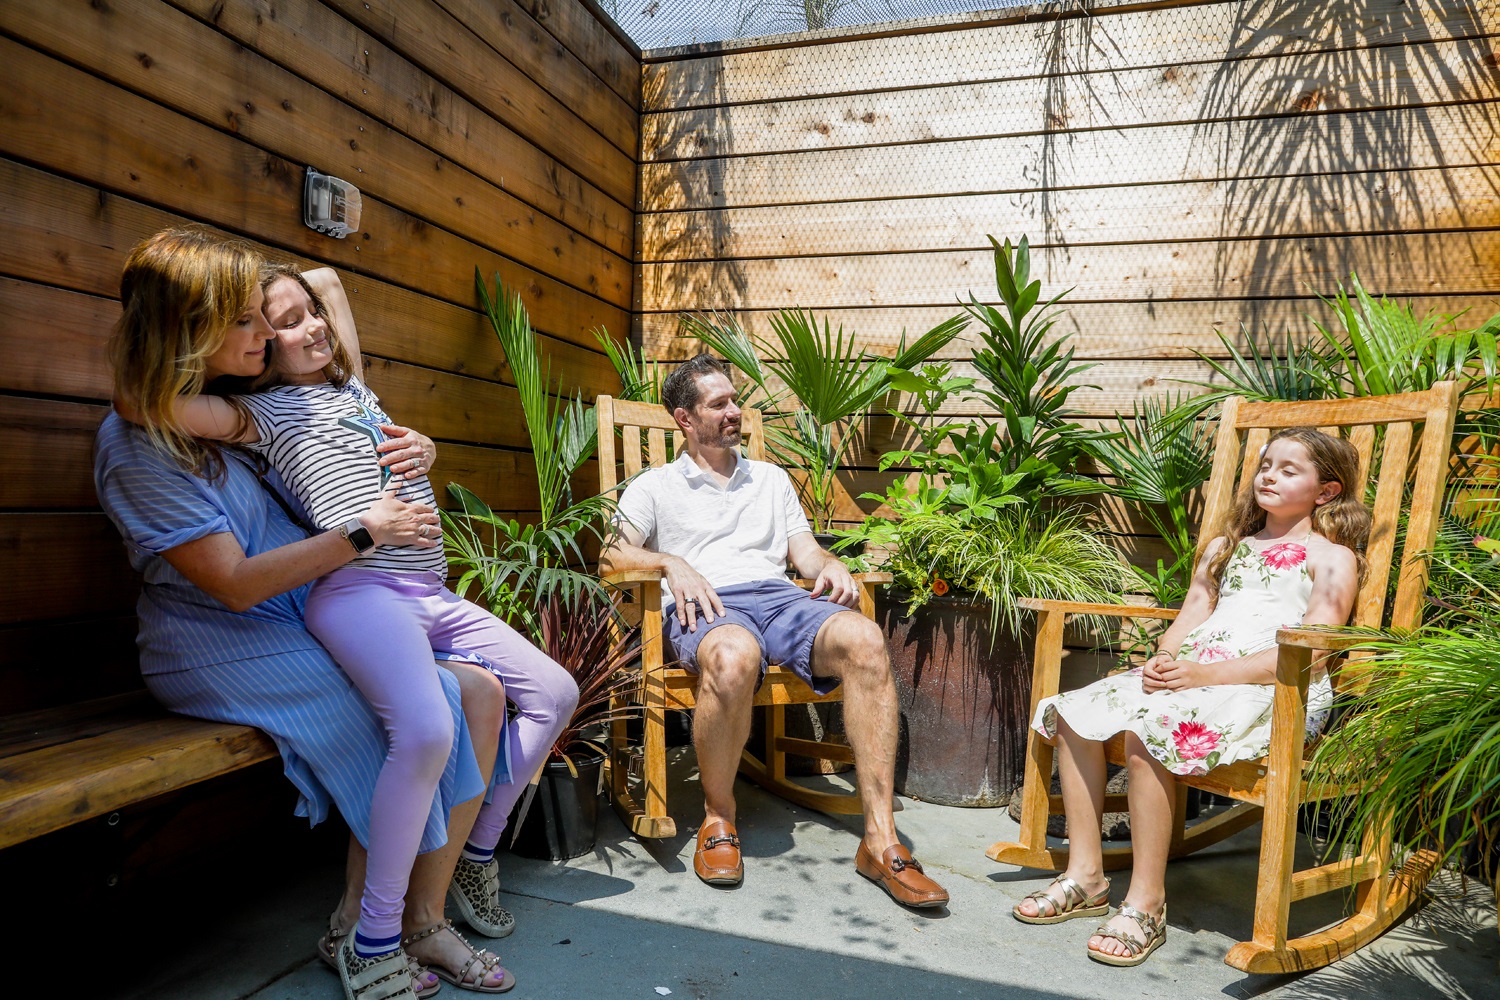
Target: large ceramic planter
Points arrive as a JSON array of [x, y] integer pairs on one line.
[[563, 819], [963, 701]]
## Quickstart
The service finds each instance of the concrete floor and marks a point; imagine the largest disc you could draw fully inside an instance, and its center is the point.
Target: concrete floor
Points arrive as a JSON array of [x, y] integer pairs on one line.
[[631, 920]]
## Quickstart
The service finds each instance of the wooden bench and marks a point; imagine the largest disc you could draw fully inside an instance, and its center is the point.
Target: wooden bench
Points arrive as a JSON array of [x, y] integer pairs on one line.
[[61, 766]]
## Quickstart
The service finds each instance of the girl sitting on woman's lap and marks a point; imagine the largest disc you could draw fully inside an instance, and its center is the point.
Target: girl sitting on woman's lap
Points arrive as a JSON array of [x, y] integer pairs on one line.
[[1290, 555]]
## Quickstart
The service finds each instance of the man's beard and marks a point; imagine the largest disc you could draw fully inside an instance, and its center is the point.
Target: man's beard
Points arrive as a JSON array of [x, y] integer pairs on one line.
[[717, 436]]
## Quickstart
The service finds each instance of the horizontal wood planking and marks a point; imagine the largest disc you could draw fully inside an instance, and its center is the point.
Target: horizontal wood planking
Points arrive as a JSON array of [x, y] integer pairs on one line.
[[1146, 329], [381, 82], [50, 444], [515, 36], [1398, 265], [448, 49], [394, 323], [1387, 201], [159, 53], [1337, 142], [81, 126], [73, 565], [1074, 42], [586, 36], [1103, 98], [1120, 384], [75, 361], [48, 664]]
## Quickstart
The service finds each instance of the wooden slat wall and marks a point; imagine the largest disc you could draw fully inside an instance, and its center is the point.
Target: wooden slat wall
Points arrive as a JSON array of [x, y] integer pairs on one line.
[[501, 133], [1184, 167]]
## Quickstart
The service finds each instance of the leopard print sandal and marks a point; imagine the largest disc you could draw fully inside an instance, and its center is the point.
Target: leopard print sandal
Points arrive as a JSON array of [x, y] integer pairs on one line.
[[475, 893], [424, 984]]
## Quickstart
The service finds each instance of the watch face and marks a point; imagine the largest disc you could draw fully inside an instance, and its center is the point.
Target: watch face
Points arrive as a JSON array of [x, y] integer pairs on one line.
[[361, 538]]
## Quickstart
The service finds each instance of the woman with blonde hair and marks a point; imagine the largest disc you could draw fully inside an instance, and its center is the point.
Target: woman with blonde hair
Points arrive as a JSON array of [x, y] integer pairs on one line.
[[1290, 554], [227, 569]]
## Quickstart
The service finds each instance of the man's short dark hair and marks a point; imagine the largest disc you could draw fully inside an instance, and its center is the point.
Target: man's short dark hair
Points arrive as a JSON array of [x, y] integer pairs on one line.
[[681, 387]]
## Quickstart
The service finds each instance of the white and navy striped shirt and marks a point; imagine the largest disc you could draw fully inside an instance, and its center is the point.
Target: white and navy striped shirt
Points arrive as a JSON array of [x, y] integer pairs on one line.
[[321, 440]]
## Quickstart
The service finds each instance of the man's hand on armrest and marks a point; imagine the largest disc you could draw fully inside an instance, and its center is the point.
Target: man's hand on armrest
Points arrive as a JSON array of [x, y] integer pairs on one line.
[[691, 592], [826, 570]]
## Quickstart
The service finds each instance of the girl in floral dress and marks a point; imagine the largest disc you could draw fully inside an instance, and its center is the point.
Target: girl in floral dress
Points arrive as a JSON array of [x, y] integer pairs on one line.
[[1290, 555]]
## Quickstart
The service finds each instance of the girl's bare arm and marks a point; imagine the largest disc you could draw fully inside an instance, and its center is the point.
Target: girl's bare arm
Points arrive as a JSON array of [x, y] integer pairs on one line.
[[325, 281]]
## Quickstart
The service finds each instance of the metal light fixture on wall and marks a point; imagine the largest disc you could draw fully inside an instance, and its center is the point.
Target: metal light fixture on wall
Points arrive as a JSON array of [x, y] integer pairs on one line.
[[329, 205]]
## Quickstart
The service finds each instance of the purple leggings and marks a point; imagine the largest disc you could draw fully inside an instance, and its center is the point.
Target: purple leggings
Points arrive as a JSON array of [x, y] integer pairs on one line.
[[382, 627]]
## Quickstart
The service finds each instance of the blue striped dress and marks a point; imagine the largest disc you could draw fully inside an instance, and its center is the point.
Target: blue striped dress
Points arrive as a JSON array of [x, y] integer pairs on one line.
[[258, 667]]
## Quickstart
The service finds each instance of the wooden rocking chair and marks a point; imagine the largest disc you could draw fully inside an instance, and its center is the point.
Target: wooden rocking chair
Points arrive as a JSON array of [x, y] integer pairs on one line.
[[647, 433], [1273, 787]]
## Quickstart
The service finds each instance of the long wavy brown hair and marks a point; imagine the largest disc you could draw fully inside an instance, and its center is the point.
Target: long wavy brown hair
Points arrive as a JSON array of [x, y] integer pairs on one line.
[[1344, 520], [181, 289], [340, 369]]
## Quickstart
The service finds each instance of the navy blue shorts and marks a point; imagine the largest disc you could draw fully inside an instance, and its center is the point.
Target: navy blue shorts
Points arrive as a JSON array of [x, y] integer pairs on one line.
[[781, 615]]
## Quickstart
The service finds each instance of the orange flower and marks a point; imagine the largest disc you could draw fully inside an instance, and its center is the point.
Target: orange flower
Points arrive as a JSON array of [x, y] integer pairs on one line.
[[939, 586]]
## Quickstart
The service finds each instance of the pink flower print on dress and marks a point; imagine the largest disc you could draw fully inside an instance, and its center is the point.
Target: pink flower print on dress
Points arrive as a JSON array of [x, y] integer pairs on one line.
[[1194, 740], [1215, 654], [1287, 555]]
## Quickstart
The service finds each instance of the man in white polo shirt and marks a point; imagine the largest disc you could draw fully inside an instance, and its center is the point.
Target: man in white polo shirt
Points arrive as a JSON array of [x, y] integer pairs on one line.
[[719, 529]]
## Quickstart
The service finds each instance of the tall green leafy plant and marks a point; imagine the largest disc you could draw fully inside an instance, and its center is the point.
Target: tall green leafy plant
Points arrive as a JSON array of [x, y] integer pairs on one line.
[[640, 380], [813, 383], [1029, 375], [518, 566], [1424, 741]]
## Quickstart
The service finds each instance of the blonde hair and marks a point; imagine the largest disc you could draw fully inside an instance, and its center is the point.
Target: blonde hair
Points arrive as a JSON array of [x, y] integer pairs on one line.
[[1344, 520], [180, 290], [339, 370]]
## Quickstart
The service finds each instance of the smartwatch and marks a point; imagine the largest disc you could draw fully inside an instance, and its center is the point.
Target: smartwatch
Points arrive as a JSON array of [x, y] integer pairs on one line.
[[357, 535]]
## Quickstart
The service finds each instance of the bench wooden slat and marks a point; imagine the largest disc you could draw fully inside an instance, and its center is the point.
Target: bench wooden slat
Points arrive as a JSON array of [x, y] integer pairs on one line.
[[46, 789]]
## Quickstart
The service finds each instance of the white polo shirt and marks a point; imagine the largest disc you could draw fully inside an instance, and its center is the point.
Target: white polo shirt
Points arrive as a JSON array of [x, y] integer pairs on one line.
[[732, 534]]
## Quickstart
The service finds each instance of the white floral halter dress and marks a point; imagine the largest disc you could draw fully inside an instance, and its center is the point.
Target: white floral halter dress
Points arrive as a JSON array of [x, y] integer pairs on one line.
[[1193, 730]]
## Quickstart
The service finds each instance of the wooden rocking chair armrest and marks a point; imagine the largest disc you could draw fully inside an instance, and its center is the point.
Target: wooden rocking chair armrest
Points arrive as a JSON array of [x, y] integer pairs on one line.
[[1317, 638], [626, 577], [863, 579], [1112, 610]]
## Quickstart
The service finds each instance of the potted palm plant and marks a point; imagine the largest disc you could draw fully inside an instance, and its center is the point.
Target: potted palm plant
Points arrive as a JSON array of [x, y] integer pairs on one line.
[[585, 638], [814, 386], [985, 521], [529, 574]]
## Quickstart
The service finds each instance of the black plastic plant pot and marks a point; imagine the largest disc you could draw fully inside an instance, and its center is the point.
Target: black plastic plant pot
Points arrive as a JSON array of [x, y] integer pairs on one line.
[[564, 815]]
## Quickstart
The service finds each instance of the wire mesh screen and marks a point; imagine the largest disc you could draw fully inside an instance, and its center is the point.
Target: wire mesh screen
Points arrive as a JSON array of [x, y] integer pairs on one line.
[[657, 24]]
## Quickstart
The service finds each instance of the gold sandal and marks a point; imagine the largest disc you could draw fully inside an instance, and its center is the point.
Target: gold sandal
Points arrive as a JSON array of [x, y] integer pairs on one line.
[[472, 974], [1075, 903], [1153, 929]]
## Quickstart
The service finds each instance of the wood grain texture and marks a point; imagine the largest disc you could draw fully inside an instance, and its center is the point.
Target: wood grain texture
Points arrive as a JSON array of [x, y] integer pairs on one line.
[[1387, 201], [158, 52], [1398, 265], [1146, 329], [427, 35], [1325, 143], [1070, 44], [74, 565], [587, 37], [1105, 97], [515, 36], [379, 81], [53, 442], [81, 126]]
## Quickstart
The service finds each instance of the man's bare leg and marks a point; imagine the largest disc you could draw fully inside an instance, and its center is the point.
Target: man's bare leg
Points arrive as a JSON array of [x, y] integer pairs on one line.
[[728, 669], [852, 648]]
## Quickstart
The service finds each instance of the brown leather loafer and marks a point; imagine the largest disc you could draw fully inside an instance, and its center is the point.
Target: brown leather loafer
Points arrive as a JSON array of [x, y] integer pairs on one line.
[[717, 860], [899, 874]]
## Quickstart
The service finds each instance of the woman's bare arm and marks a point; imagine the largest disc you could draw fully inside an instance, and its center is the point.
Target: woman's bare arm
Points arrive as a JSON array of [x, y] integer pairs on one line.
[[217, 564], [201, 416]]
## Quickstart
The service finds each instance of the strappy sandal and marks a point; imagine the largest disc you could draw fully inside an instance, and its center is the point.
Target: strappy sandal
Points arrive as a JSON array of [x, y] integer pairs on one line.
[[328, 951], [475, 892], [471, 977], [1153, 930], [384, 977], [1075, 903]]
